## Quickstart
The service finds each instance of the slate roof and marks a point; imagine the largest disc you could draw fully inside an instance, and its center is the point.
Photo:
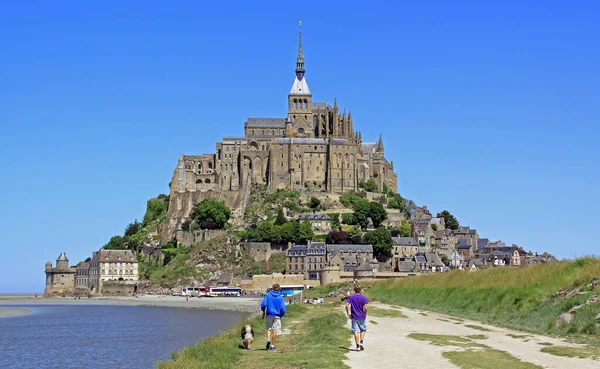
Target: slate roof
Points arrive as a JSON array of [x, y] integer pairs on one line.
[[116, 256], [364, 267], [404, 241], [297, 250], [62, 257], [463, 244], [406, 266], [314, 216], [83, 265], [420, 259], [433, 259], [265, 122], [300, 141], [353, 248], [320, 105], [436, 221], [482, 242], [300, 87], [478, 263], [369, 147]]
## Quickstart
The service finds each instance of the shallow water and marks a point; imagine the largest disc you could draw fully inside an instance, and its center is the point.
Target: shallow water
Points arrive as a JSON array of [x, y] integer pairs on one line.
[[103, 336]]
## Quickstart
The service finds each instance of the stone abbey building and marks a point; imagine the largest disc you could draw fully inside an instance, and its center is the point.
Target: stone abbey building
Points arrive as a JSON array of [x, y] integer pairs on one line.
[[315, 147]]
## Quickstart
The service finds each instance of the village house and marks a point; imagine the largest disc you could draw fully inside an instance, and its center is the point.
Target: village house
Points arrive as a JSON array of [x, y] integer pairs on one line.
[[348, 257], [419, 213], [306, 259], [320, 223]]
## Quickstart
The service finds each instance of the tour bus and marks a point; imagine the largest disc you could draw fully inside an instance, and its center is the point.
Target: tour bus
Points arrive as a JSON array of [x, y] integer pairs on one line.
[[212, 291], [193, 291], [292, 289]]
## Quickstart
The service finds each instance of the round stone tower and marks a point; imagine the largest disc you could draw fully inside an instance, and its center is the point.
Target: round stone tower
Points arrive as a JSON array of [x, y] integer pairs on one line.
[[62, 262], [330, 274]]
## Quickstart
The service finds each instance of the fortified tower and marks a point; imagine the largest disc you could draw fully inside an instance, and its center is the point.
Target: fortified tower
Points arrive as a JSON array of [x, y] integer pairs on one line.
[[60, 281]]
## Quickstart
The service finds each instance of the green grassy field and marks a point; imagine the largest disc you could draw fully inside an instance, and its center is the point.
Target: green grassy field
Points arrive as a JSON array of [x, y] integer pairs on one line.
[[509, 297]]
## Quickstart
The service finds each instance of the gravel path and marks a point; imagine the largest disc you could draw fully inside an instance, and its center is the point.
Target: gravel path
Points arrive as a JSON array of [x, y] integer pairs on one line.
[[387, 344]]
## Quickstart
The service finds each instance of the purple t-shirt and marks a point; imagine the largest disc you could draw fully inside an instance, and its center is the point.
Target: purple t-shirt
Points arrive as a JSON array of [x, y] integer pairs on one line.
[[357, 302]]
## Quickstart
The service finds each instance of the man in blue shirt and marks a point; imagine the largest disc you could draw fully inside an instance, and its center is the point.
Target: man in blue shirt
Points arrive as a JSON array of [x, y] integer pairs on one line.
[[356, 308], [273, 307]]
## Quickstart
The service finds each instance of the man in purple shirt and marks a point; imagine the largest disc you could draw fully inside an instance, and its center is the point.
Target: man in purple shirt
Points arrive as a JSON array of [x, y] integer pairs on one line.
[[356, 308]]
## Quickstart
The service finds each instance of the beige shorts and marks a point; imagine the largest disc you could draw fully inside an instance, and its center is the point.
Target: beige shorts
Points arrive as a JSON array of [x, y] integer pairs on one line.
[[274, 324]]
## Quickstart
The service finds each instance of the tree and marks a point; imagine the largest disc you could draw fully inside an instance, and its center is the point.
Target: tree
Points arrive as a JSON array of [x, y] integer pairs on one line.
[[305, 231], [335, 220], [355, 235], [404, 229], [348, 218], [370, 185], [349, 198], [385, 189], [381, 241], [211, 210], [132, 228], [337, 236], [115, 243], [377, 213], [280, 217], [314, 203], [185, 226], [362, 209], [449, 219]]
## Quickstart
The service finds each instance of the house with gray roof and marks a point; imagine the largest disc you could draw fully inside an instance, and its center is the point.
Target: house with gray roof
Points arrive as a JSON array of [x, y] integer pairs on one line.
[[306, 259], [320, 223]]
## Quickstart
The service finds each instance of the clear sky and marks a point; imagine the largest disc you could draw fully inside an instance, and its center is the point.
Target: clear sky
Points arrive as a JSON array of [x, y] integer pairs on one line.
[[488, 110]]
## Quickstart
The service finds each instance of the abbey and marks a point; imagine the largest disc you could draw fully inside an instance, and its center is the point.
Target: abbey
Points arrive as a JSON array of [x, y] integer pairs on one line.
[[314, 148]]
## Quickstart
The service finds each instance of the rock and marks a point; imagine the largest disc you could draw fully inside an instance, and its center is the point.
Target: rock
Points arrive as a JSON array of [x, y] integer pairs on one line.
[[543, 299], [593, 299], [564, 318], [575, 309], [598, 318]]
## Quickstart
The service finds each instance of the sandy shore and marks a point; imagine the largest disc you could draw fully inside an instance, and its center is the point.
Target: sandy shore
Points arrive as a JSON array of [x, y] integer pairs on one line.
[[242, 304], [6, 311]]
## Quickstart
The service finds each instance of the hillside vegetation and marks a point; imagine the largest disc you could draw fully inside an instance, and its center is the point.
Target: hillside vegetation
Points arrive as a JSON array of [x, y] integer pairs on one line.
[[518, 298]]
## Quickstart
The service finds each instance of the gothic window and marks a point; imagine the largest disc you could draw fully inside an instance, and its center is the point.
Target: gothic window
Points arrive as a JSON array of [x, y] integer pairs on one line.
[[300, 130], [210, 165], [200, 167]]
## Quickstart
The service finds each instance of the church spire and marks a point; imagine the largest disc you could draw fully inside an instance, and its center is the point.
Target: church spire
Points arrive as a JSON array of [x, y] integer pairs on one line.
[[300, 57], [380, 144]]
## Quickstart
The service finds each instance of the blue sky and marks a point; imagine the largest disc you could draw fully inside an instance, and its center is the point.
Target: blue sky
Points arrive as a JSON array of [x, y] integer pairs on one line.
[[488, 110]]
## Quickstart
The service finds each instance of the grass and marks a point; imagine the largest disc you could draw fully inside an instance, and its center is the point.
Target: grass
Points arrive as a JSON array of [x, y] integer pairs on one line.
[[508, 297], [479, 328], [444, 320], [474, 355], [487, 359], [317, 333], [545, 344], [385, 313], [518, 335], [478, 337], [580, 352]]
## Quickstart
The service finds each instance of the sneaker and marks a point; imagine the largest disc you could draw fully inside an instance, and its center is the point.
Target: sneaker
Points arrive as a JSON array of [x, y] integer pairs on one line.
[[268, 346], [272, 347], [357, 347], [361, 347]]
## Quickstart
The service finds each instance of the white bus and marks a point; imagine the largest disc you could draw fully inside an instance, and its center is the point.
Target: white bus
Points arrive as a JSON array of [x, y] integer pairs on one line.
[[292, 289], [212, 291], [193, 291]]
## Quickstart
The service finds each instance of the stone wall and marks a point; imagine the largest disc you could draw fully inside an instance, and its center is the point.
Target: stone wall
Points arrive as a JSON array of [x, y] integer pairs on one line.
[[260, 283], [189, 238], [262, 251], [118, 289]]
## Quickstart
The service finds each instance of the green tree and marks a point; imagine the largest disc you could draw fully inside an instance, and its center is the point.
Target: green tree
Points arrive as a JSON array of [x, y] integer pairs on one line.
[[156, 209], [185, 226], [132, 228], [377, 213], [348, 218], [314, 203], [449, 219], [335, 220], [305, 231], [404, 228], [115, 243], [355, 235], [386, 189], [381, 239], [280, 217], [362, 209], [211, 210], [349, 198]]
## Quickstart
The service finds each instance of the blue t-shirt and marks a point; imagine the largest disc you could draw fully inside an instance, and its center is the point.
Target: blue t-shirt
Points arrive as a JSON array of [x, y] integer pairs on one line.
[[357, 303]]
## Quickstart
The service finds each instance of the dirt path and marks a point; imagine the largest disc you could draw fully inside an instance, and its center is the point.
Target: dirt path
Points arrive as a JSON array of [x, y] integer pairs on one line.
[[387, 344]]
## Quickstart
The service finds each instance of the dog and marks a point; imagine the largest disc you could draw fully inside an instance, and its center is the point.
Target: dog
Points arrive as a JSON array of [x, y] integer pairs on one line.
[[247, 336]]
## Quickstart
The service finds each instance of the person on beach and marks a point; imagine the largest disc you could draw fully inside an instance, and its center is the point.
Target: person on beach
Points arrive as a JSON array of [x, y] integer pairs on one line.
[[273, 307], [356, 309]]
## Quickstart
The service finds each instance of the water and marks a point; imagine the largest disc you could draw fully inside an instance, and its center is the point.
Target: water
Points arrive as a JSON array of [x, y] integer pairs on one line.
[[60, 336]]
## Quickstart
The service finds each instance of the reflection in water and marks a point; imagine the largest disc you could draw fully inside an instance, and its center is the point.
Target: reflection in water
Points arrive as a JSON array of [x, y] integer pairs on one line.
[[104, 336]]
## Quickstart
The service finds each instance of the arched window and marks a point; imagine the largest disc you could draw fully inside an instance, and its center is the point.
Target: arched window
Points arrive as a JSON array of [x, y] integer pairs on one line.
[[200, 167], [300, 130], [209, 165], [207, 180]]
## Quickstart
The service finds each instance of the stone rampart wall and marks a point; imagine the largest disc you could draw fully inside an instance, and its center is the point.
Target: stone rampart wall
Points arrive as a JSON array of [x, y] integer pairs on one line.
[[262, 251], [260, 283], [189, 238]]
